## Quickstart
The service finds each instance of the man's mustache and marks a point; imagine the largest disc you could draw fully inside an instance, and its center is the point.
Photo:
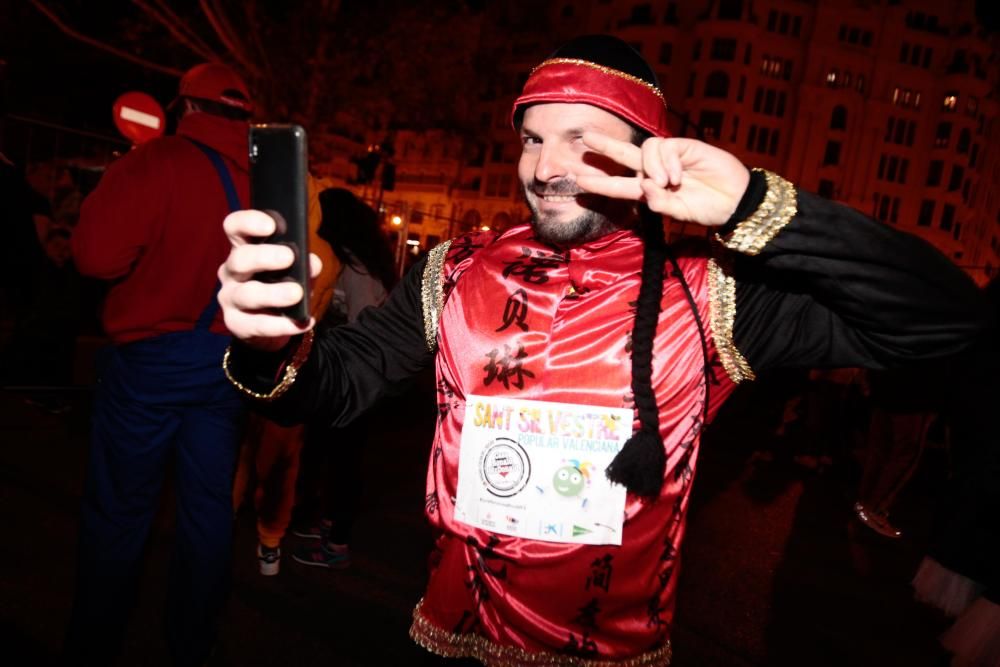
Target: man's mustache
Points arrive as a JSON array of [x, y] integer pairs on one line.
[[558, 188]]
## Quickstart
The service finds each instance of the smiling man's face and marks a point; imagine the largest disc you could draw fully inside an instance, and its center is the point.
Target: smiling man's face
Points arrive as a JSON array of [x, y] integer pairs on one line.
[[552, 156]]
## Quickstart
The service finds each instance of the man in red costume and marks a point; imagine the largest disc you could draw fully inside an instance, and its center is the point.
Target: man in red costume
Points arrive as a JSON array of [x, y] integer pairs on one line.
[[556, 342], [152, 228]]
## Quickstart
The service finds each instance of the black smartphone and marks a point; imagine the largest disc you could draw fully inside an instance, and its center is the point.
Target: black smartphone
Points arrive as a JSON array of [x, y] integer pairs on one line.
[[278, 186]]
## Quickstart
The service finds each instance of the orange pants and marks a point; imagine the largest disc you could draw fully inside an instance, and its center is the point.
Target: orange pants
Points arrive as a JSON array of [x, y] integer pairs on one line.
[[273, 451]]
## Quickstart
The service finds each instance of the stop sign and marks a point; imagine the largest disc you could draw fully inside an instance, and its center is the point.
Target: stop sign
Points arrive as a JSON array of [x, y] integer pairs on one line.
[[139, 117]]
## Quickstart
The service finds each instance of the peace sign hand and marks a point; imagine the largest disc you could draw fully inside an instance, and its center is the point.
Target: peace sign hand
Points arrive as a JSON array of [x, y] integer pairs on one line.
[[685, 179]]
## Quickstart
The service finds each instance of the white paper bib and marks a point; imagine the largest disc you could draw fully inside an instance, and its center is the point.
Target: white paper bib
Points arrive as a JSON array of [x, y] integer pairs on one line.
[[535, 470]]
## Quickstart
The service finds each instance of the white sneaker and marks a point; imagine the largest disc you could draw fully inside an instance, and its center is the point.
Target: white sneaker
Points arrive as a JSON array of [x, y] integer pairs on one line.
[[268, 559]]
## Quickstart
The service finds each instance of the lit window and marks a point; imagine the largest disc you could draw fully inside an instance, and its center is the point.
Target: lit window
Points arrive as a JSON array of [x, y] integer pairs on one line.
[[950, 102]]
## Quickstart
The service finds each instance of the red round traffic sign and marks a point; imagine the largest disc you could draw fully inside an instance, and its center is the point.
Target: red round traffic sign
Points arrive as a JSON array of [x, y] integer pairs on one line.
[[139, 117]]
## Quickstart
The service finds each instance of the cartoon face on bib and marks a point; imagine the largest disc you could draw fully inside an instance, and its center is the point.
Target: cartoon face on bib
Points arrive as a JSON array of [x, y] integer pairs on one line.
[[570, 480]]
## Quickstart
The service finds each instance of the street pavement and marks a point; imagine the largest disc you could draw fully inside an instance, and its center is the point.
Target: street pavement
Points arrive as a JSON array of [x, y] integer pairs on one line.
[[775, 570]]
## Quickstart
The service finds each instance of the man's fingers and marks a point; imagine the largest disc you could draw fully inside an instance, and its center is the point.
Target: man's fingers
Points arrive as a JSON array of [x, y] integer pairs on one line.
[[653, 165], [315, 265], [617, 187], [246, 226], [264, 326], [657, 198], [255, 295], [674, 169], [245, 260], [622, 152]]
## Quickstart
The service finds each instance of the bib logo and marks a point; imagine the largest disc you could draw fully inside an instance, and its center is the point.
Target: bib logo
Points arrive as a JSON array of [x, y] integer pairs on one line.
[[504, 467], [571, 480]]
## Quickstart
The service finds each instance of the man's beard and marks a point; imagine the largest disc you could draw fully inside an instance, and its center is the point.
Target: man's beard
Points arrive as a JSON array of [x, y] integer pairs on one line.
[[600, 216]]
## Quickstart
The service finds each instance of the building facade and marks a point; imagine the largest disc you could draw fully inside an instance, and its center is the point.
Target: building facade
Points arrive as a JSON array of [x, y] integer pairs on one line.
[[887, 106]]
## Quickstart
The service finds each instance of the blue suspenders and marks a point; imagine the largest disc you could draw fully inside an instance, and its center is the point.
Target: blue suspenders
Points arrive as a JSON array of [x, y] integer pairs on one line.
[[208, 314]]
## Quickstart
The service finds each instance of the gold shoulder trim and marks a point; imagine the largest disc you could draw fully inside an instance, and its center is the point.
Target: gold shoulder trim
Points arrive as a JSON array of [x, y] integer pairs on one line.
[[722, 314], [287, 378], [776, 211], [491, 654], [432, 292]]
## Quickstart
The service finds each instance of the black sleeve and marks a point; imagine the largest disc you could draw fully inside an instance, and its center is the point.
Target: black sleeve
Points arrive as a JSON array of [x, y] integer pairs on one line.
[[837, 288], [350, 367]]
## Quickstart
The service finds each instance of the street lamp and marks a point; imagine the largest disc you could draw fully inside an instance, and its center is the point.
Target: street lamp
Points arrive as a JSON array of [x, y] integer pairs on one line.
[[399, 252]]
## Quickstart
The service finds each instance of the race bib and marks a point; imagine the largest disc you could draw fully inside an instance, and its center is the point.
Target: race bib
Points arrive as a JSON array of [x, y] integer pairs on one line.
[[535, 470]]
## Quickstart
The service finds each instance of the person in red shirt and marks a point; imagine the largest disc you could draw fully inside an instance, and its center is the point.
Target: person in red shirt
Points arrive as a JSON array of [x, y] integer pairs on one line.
[[152, 229]]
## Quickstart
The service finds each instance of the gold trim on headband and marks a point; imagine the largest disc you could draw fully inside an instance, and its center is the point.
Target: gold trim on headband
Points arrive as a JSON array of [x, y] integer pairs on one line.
[[601, 68]]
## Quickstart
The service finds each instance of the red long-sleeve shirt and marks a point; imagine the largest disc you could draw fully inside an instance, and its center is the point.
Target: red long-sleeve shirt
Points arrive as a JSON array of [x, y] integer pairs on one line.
[[154, 227]]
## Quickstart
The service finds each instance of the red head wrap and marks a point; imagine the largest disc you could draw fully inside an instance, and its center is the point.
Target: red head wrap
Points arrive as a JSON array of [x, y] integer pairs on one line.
[[578, 81]]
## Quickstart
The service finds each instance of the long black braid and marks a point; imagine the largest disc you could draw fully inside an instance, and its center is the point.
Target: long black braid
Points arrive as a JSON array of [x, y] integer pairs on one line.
[[641, 463]]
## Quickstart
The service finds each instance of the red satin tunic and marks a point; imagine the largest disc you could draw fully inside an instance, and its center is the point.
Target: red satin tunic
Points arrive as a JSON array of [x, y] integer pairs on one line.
[[522, 320]]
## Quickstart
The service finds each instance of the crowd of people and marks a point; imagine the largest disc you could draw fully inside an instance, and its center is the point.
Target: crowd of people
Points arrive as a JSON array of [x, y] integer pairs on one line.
[[584, 314]]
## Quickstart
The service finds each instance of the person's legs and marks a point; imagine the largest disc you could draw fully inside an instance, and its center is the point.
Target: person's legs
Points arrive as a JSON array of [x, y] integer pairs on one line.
[[343, 485], [907, 438], [277, 468], [129, 444], [341, 494], [895, 445], [200, 571], [277, 464], [245, 462], [878, 446]]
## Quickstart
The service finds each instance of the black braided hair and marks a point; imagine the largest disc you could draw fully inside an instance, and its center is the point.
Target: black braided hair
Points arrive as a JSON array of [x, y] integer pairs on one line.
[[640, 464]]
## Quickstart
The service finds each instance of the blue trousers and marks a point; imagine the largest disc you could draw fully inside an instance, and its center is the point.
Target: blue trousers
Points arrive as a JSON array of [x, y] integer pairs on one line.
[[159, 402]]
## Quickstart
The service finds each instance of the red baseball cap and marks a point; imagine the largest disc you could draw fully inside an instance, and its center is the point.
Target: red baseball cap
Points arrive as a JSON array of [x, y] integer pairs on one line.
[[218, 83]]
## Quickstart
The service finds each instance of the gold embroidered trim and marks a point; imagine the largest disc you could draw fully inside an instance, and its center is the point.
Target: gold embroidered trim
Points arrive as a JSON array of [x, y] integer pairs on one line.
[[432, 292], [287, 378], [601, 68], [776, 211], [491, 654], [722, 313]]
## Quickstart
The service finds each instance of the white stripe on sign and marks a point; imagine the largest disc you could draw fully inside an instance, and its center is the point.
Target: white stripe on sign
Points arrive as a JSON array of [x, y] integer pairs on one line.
[[140, 117]]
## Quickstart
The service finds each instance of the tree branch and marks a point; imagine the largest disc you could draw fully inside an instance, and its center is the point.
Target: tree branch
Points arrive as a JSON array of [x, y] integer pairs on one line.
[[97, 44], [176, 27], [258, 46], [228, 39]]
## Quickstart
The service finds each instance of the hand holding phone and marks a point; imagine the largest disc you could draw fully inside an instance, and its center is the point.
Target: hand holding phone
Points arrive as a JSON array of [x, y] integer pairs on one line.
[[278, 187]]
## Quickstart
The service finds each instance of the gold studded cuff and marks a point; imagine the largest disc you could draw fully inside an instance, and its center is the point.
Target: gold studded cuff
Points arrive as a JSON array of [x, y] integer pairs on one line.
[[290, 371], [722, 315], [432, 292], [776, 211]]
